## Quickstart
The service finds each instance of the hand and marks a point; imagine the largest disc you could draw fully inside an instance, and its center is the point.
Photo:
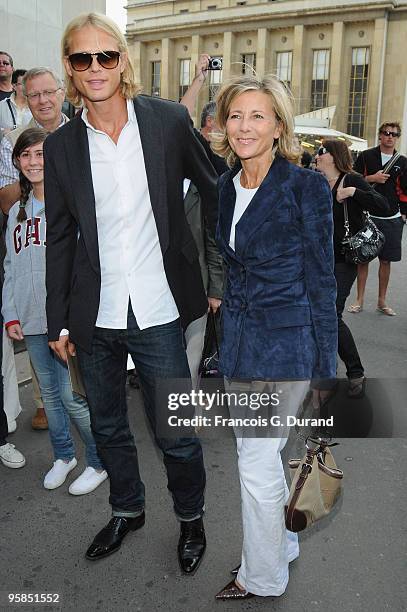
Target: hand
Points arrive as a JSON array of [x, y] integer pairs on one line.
[[61, 346], [15, 332], [202, 65], [379, 177], [214, 304], [345, 192]]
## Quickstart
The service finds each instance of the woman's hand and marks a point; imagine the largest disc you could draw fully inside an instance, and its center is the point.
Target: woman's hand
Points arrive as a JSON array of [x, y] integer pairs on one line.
[[345, 192], [15, 332], [214, 304]]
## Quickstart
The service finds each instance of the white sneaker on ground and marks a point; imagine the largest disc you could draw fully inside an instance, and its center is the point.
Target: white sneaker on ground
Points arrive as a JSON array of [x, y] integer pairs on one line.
[[58, 473], [88, 481], [12, 426], [11, 457]]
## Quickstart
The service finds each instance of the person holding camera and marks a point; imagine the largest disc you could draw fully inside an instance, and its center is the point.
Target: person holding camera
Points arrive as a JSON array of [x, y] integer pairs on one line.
[[208, 124]]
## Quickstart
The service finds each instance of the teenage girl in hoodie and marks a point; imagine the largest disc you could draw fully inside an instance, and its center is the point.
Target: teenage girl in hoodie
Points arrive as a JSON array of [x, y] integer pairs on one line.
[[24, 315]]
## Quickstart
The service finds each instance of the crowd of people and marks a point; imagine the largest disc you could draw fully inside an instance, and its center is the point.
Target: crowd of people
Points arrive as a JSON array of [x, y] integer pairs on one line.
[[126, 225]]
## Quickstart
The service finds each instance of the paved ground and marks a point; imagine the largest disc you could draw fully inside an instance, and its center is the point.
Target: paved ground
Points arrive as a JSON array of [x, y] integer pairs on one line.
[[354, 561]]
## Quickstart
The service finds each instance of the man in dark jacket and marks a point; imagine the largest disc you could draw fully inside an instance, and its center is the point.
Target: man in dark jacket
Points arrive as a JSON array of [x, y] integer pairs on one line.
[[122, 267], [387, 171]]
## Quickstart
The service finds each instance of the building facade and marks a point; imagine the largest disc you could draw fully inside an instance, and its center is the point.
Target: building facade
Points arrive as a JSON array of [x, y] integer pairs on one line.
[[342, 53], [31, 30]]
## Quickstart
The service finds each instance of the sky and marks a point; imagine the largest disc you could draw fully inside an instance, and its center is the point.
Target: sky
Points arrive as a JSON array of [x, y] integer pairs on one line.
[[115, 10]]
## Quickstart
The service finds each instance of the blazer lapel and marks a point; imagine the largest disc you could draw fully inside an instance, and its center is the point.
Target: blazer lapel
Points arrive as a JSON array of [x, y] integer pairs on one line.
[[80, 168], [152, 142], [226, 210], [265, 198]]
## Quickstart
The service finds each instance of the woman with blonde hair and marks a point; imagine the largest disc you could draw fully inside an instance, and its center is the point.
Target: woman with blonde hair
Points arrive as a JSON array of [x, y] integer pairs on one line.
[[279, 319]]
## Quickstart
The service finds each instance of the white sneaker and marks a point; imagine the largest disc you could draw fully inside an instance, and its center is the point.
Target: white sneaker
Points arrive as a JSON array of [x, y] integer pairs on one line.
[[58, 473], [12, 426], [88, 481], [11, 457]]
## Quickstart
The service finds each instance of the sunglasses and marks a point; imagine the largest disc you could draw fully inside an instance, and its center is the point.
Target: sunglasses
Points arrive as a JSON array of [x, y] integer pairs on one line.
[[388, 133], [82, 61], [322, 151]]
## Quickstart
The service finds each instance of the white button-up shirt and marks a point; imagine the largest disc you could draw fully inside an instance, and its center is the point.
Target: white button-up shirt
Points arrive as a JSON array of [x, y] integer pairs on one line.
[[130, 256]]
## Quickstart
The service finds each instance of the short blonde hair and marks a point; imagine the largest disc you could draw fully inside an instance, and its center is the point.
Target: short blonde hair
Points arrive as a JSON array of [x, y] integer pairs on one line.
[[282, 101], [128, 84]]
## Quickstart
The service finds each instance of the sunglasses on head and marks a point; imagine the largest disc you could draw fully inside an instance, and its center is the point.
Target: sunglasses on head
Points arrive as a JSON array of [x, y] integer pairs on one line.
[[82, 61], [388, 133], [322, 151]]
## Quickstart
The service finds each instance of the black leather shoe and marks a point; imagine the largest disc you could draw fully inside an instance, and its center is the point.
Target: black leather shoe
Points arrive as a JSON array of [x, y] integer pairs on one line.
[[191, 545], [235, 570], [232, 591], [109, 539]]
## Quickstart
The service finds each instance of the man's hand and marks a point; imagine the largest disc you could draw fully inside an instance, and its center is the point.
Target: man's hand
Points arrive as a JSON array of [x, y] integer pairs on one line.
[[15, 332], [214, 304], [379, 177], [344, 192], [61, 346]]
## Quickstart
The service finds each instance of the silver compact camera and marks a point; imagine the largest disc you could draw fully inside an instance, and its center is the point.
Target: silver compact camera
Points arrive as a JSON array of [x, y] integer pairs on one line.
[[215, 63]]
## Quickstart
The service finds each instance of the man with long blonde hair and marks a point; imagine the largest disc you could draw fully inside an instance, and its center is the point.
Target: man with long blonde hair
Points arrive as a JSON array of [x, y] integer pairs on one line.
[[130, 276]]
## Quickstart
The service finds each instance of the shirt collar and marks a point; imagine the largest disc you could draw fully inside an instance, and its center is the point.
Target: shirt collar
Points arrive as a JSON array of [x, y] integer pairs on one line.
[[64, 119], [131, 115]]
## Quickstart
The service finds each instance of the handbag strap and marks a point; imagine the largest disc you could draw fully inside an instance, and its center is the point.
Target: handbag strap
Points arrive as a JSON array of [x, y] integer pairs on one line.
[[345, 211], [12, 113], [213, 323], [391, 163]]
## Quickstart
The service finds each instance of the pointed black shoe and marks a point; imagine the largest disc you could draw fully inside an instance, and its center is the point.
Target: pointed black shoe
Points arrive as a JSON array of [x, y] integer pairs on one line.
[[232, 591], [191, 545], [109, 539]]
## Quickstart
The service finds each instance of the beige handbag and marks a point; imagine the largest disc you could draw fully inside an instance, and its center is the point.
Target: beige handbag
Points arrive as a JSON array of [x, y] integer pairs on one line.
[[315, 487]]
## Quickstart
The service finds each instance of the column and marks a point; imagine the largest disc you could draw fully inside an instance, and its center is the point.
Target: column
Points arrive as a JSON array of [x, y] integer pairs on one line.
[[168, 70], [337, 85], [136, 51], [263, 52], [375, 83], [228, 56], [298, 58]]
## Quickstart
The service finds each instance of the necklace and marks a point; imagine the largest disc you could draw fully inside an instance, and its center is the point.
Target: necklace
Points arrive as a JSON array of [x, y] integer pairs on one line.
[[334, 178]]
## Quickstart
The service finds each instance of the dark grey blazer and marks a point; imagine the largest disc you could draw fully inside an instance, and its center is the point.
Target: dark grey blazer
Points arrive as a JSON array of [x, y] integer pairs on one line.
[[171, 153], [210, 259]]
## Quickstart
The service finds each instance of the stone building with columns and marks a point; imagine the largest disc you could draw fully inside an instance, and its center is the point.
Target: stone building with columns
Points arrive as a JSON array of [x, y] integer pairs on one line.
[[342, 53]]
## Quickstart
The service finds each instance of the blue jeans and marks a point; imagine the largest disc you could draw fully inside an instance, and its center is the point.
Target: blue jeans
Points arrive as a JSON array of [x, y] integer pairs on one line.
[[60, 403], [158, 353]]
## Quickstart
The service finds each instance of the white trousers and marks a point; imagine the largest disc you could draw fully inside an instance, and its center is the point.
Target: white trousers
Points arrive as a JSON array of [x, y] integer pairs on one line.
[[12, 406], [268, 546]]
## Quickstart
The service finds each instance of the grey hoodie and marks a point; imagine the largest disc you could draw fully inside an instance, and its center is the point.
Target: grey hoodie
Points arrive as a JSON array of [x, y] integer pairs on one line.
[[24, 291]]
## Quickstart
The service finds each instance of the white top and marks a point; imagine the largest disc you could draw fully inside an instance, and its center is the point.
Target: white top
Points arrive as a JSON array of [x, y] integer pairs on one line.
[[21, 115], [243, 198], [130, 256], [385, 158]]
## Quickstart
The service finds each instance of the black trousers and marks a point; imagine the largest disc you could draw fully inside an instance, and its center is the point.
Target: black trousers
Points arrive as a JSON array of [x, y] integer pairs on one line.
[[345, 275]]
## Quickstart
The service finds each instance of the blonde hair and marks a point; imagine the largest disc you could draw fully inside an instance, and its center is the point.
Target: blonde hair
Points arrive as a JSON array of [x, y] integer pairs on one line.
[[128, 85], [286, 145]]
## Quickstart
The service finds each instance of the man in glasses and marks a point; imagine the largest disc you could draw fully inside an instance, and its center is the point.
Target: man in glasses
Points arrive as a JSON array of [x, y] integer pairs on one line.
[[130, 276], [44, 92], [387, 171], [6, 72]]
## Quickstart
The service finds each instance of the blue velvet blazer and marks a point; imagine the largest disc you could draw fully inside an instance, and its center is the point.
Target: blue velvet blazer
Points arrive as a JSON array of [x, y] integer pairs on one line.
[[279, 314]]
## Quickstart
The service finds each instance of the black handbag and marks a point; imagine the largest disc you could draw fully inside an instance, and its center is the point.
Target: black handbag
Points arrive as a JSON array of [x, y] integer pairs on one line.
[[366, 244]]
